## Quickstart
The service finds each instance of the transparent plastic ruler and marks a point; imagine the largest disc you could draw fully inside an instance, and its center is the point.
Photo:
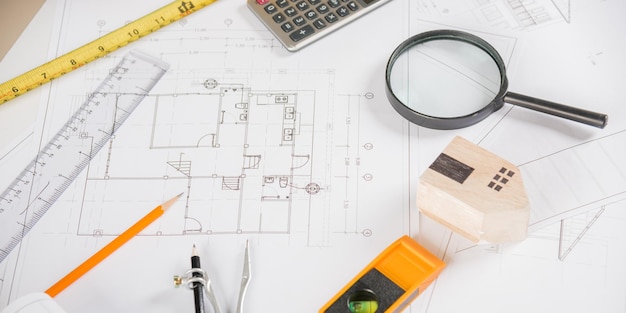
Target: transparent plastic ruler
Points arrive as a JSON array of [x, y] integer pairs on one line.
[[71, 149]]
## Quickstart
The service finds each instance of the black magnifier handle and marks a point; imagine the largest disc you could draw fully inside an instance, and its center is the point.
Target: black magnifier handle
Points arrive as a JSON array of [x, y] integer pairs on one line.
[[571, 113]]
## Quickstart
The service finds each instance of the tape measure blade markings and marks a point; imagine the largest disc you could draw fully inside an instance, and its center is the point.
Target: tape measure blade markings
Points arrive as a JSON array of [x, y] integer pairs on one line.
[[99, 47], [71, 149]]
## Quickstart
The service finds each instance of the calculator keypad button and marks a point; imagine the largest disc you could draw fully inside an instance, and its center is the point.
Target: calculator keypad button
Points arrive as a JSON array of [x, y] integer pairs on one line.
[[323, 9], [299, 21], [271, 9], [331, 17], [302, 33], [343, 11], [334, 3], [319, 24], [287, 27], [291, 11], [279, 18], [302, 5], [311, 15]]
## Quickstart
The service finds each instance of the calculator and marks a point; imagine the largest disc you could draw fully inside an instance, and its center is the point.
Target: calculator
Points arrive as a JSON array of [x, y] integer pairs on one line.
[[297, 23]]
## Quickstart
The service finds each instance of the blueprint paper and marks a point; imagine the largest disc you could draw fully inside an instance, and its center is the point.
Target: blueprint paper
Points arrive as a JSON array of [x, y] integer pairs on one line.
[[302, 155]]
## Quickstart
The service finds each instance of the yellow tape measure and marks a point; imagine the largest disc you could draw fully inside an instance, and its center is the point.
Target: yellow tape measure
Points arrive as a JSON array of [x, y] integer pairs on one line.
[[99, 47]]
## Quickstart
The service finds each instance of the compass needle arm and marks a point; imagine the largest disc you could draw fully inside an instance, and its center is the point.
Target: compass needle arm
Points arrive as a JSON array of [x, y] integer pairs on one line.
[[245, 279]]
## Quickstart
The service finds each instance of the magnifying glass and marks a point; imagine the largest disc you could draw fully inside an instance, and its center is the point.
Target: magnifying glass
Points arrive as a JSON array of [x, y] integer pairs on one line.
[[449, 79]]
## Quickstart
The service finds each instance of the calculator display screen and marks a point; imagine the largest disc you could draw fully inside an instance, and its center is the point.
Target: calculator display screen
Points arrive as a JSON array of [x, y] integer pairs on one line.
[[369, 1]]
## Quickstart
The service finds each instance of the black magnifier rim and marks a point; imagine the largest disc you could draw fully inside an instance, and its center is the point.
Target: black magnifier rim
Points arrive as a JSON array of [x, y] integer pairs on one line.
[[446, 122]]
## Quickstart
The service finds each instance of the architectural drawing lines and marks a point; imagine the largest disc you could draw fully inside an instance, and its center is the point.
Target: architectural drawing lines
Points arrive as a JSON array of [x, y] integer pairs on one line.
[[181, 165], [245, 158], [571, 227], [302, 155], [606, 137]]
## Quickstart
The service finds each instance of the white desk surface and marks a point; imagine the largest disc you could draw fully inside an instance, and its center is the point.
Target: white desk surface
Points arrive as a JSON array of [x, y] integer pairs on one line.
[[349, 142]]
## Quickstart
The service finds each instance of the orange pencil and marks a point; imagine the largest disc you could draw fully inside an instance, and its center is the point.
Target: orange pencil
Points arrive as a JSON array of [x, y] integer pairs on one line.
[[110, 248]]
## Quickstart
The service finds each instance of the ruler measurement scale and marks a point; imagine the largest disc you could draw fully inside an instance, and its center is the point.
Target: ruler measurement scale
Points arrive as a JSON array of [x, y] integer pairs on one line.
[[71, 149], [99, 47]]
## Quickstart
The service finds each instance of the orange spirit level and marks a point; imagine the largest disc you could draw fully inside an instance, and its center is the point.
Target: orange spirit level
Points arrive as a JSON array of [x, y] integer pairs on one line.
[[390, 282]]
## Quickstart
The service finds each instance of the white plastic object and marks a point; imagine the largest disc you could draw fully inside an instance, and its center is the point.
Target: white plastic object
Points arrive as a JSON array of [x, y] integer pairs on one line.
[[34, 303]]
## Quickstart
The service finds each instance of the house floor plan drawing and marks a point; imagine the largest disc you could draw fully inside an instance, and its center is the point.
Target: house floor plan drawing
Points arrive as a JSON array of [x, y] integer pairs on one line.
[[247, 160], [196, 153]]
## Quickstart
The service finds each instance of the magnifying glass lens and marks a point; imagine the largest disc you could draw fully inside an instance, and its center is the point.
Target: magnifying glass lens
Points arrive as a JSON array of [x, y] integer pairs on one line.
[[445, 78]]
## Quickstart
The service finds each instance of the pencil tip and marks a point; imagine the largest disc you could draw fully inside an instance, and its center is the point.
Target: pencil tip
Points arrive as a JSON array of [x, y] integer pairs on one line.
[[194, 250], [167, 204]]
